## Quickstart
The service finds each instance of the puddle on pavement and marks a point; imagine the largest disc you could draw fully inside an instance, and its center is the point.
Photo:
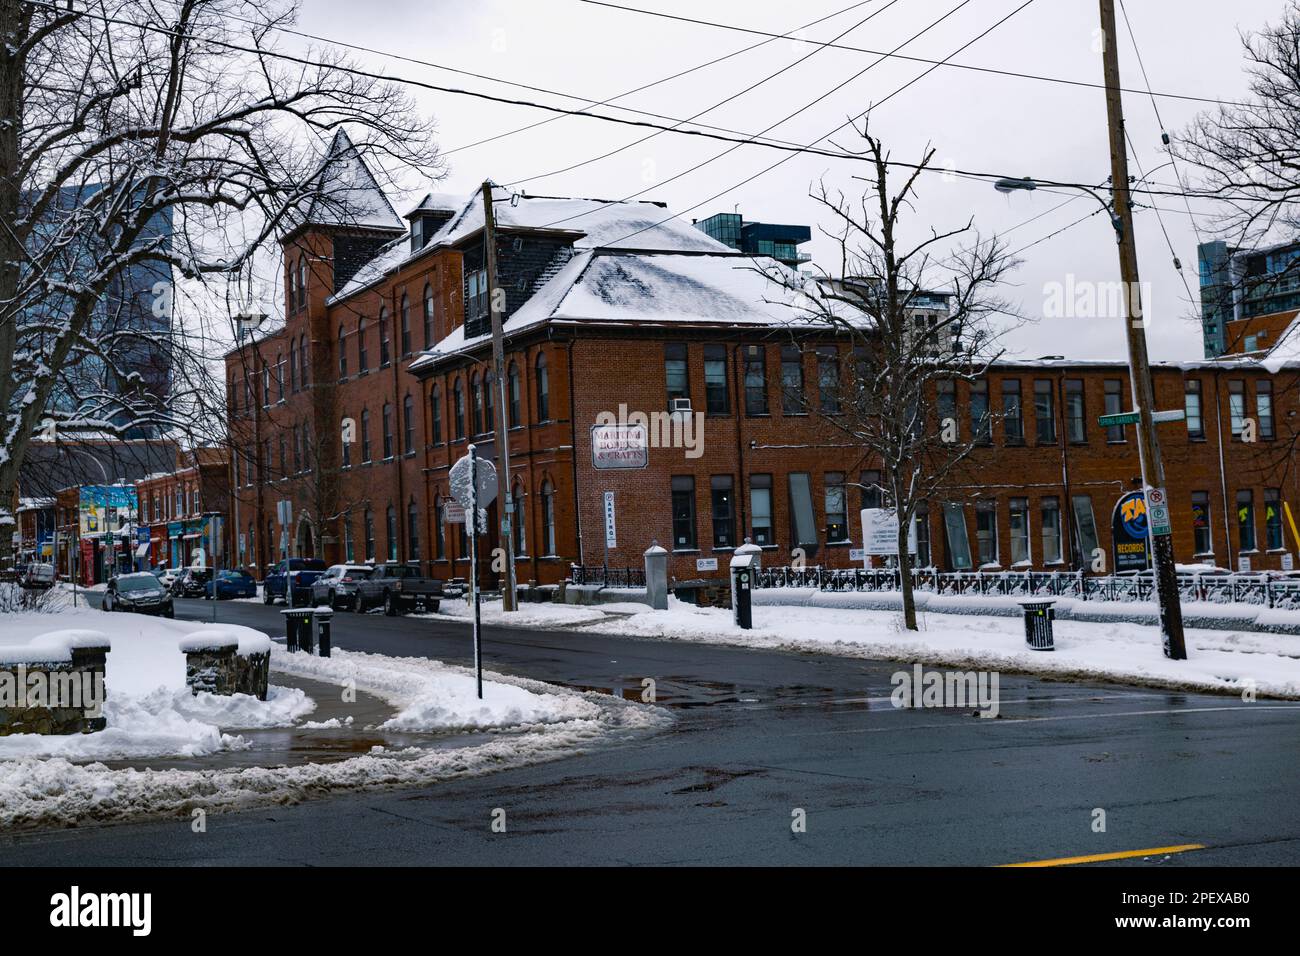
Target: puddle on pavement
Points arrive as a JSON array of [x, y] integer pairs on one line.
[[291, 746]]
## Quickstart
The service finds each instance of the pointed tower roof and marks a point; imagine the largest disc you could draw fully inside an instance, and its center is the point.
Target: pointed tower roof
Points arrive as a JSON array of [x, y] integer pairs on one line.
[[350, 194]]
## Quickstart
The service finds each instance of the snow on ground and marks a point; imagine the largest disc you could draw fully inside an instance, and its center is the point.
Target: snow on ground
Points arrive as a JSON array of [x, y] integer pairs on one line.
[[150, 711], [528, 615], [432, 696], [1217, 660]]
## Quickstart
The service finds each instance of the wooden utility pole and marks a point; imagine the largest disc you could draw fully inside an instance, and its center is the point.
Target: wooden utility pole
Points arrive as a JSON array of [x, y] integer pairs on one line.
[[506, 499], [1153, 471]]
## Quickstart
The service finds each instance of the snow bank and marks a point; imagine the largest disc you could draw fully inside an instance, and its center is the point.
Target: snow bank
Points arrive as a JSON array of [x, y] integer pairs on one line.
[[1119, 650], [528, 615], [150, 712], [433, 696]]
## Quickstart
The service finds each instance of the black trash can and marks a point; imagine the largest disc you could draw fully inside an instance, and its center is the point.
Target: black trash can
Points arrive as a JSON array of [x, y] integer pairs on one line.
[[322, 617], [298, 628], [1039, 616]]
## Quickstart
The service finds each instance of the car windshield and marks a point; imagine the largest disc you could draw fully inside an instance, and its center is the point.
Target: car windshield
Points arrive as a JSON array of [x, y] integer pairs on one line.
[[142, 583], [200, 575]]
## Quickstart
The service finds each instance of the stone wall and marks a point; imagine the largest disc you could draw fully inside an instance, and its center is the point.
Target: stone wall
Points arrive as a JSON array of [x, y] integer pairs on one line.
[[220, 669], [24, 712]]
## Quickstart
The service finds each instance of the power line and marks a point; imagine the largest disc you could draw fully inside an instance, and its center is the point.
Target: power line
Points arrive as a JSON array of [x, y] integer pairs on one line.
[[390, 78], [957, 66], [667, 79], [848, 122], [709, 109]]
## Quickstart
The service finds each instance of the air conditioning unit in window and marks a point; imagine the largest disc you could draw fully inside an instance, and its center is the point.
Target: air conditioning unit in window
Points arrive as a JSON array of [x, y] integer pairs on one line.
[[682, 406]]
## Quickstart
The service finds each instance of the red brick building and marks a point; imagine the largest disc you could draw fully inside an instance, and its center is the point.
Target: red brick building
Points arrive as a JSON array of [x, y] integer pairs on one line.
[[177, 507], [347, 419]]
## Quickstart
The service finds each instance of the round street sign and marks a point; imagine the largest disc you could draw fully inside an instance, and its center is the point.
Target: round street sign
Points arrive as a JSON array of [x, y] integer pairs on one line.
[[487, 482]]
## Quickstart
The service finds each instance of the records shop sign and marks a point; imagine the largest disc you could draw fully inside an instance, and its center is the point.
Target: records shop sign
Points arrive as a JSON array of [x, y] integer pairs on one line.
[[619, 446], [1129, 533]]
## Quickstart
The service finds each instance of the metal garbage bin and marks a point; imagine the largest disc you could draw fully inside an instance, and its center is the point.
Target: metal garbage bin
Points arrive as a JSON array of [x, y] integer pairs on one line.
[[1039, 616], [297, 628], [322, 617]]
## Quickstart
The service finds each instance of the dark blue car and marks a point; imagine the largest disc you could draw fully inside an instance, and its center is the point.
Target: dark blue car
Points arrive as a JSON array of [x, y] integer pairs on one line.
[[232, 584]]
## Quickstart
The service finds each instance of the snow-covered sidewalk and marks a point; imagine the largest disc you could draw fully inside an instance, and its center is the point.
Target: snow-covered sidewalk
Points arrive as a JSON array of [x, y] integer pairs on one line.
[[151, 713], [1221, 661]]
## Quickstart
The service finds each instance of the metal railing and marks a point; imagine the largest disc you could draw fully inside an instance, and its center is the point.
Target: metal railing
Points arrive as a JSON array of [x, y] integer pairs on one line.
[[602, 576], [1258, 589]]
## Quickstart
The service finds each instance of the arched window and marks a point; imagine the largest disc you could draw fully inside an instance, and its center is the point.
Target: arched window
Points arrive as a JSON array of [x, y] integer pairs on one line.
[[304, 376], [390, 531], [543, 391], [412, 532], [548, 518], [365, 435], [370, 535], [302, 282], [489, 411], [293, 288], [297, 450], [293, 366], [362, 360], [458, 409], [519, 521], [435, 415], [266, 385], [345, 442], [408, 425], [388, 430], [512, 381], [406, 325], [279, 376], [343, 352], [384, 357], [428, 316], [476, 406]]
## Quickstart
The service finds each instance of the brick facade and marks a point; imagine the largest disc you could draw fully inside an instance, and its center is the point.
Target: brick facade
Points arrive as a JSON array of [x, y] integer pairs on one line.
[[386, 497]]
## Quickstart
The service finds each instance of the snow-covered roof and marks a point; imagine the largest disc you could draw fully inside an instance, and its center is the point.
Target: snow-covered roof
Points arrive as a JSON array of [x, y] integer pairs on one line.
[[656, 288], [605, 223], [434, 201], [598, 223], [351, 194]]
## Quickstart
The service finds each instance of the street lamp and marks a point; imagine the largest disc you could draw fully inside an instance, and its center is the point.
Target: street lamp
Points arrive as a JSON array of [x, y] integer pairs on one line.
[[1153, 471]]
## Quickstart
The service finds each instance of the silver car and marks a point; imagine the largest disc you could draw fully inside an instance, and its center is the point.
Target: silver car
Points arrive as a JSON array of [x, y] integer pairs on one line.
[[337, 587]]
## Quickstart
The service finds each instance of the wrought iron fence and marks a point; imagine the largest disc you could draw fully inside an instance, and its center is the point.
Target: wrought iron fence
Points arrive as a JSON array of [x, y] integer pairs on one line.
[[1257, 589], [602, 576]]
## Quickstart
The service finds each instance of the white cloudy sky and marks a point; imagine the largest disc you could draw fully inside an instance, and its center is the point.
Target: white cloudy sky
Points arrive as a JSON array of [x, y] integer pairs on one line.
[[975, 121]]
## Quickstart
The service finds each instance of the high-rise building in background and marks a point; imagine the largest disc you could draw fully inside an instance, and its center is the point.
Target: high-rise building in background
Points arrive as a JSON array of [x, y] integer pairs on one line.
[[1249, 297], [781, 242]]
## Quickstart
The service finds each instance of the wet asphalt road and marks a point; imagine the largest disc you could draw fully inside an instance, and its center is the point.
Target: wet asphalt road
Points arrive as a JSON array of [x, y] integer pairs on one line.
[[758, 735]]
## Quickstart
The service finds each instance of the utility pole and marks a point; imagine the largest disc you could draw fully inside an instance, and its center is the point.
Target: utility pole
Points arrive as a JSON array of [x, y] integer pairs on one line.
[[506, 498], [1153, 470]]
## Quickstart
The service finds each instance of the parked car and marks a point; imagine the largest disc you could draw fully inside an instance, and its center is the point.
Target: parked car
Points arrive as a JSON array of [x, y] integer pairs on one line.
[[231, 584], [192, 583], [37, 576], [140, 592], [398, 588], [291, 581], [337, 587], [167, 576]]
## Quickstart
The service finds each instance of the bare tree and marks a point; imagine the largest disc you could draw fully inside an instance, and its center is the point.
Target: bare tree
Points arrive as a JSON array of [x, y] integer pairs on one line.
[[140, 139], [883, 395]]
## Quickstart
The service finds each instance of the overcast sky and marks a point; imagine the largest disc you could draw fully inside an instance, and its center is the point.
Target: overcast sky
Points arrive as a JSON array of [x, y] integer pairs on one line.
[[975, 121]]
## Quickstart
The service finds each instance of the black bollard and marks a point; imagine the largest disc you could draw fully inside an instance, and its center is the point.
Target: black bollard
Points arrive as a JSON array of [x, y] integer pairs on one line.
[[291, 632]]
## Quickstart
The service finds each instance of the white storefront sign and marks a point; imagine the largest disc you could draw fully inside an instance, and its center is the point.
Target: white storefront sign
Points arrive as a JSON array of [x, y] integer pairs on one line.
[[620, 446]]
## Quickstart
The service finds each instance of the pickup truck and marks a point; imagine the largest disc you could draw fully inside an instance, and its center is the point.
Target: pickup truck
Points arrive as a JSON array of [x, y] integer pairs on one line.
[[398, 588], [291, 580]]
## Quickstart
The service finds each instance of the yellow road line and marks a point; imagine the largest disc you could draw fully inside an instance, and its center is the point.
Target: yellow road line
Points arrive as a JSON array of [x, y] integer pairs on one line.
[[1103, 857]]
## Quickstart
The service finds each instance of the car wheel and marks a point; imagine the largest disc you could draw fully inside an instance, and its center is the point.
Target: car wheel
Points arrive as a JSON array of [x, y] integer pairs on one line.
[[267, 596], [390, 605], [433, 607], [170, 612], [334, 601], [106, 604]]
